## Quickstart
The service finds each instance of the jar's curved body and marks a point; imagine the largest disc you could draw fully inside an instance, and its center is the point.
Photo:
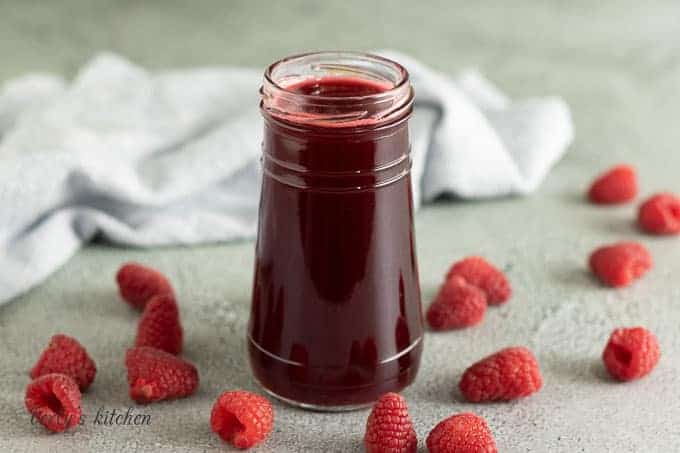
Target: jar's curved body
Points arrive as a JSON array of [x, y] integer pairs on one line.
[[336, 316]]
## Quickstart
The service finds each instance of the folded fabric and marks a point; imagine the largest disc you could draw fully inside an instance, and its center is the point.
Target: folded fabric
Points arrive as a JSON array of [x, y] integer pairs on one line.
[[146, 159]]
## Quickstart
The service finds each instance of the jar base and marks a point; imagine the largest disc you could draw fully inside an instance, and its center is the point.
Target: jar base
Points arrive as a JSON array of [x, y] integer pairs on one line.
[[314, 407], [281, 378], [273, 375]]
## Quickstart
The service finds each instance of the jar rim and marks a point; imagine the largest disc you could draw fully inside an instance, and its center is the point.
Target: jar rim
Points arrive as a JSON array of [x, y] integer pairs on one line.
[[404, 75], [374, 109]]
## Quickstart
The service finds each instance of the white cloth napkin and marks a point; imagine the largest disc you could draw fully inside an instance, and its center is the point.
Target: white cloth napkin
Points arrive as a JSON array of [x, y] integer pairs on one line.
[[146, 159]]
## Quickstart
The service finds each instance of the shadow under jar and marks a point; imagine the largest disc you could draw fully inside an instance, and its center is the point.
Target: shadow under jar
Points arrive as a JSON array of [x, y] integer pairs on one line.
[[336, 316]]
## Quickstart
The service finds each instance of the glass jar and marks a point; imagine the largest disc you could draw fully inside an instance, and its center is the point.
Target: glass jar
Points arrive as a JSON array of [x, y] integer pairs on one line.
[[336, 316]]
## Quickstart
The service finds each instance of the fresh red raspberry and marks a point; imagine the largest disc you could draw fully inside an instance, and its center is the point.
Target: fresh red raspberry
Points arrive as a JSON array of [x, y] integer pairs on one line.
[[389, 428], [482, 274], [138, 283], [616, 185], [54, 401], [506, 375], [242, 418], [660, 214], [66, 356], [160, 327], [458, 304], [631, 353], [619, 264], [462, 433], [155, 375]]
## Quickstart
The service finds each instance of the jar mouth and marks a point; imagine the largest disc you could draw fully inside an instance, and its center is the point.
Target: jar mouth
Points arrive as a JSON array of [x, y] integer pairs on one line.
[[392, 98]]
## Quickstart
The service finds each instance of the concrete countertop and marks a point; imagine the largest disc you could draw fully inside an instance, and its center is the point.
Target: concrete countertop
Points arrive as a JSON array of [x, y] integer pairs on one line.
[[618, 66]]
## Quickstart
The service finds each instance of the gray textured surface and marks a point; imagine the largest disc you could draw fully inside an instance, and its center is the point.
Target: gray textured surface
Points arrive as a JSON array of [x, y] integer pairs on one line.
[[616, 63]]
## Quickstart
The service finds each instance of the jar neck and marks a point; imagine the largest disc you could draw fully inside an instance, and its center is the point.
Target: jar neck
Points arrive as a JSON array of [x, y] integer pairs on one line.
[[339, 91], [360, 161]]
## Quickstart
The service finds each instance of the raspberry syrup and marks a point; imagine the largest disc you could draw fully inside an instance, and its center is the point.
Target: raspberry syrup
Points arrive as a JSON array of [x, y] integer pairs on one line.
[[336, 316]]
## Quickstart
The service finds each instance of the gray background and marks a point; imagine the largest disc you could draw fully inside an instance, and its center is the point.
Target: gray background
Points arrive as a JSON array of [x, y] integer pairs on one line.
[[618, 66]]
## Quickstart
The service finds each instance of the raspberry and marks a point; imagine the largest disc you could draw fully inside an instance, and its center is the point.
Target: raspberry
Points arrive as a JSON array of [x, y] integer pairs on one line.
[[155, 375], [159, 326], [66, 356], [482, 274], [631, 353], [242, 418], [616, 185], [506, 375], [462, 433], [389, 428], [138, 283], [619, 264], [458, 304], [660, 214], [54, 401]]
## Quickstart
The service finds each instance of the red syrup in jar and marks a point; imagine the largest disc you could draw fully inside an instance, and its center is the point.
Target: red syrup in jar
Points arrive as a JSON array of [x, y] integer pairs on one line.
[[336, 316]]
